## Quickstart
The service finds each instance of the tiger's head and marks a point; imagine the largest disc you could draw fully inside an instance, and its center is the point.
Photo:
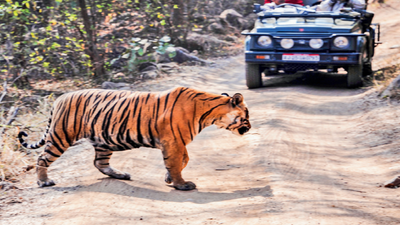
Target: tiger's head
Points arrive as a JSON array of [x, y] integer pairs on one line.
[[236, 119]]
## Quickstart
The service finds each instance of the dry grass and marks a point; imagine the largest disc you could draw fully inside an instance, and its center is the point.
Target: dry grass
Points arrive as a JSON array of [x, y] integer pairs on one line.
[[386, 74], [384, 77], [33, 115], [14, 159]]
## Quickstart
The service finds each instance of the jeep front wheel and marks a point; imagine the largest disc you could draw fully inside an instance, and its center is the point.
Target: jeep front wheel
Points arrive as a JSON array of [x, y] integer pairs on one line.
[[253, 76], [354, 74], [367, 69]]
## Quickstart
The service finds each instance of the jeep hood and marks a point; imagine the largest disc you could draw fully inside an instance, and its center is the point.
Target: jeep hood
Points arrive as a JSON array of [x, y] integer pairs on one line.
[[305, 28]]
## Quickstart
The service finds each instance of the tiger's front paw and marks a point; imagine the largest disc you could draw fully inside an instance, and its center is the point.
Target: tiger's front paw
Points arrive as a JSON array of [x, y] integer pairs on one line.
[[168, 178], [187, 186], [46, 183]]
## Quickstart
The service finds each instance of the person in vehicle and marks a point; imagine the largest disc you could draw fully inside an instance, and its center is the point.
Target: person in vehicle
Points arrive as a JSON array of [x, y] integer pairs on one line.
[[298, 2], [272, 5], [336, 5]]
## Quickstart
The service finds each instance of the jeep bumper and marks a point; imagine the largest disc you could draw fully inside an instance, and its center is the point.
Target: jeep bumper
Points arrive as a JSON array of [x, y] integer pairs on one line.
[[312, 60]]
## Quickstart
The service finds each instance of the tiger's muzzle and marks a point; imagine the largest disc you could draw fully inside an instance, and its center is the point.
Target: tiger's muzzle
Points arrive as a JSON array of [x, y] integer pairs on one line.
[[243, 130], [239, 127], [245, 126]]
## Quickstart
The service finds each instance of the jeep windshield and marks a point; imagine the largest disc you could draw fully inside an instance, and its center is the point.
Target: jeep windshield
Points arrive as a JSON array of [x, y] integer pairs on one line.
[[308, 21]]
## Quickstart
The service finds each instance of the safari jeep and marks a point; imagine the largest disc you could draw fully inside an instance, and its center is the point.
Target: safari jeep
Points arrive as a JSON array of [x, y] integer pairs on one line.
[[293, 38]]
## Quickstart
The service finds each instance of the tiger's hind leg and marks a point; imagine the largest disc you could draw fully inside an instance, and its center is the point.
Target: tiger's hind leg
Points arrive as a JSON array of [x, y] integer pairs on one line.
[[102, 163], [50, 154]]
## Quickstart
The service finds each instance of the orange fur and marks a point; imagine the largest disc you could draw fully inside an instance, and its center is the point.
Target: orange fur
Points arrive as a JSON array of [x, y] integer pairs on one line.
[[122, 120]]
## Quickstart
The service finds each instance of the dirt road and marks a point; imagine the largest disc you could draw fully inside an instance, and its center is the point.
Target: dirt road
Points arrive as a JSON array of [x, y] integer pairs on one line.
[[317, 154]]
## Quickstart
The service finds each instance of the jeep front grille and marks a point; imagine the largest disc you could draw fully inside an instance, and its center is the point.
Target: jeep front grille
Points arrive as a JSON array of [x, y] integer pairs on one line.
[[300, 67]]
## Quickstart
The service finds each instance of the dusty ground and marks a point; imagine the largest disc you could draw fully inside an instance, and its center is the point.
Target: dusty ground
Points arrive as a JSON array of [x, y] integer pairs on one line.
[[318, 153], [388, 16]]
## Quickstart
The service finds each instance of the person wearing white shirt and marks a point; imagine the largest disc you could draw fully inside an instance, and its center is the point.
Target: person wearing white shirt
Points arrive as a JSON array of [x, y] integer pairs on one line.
[[336, 5]]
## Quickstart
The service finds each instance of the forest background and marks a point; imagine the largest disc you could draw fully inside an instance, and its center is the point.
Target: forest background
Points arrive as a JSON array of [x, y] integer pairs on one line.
[[65, 38]]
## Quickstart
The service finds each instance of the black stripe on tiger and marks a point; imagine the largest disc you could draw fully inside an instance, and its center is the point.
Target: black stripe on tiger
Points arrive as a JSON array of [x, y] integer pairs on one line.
[[139, 136], [166, 101], [151, 137], [181, 136], [204, 116], [65, 125], [172, 110], [78, 117], [54, 143]]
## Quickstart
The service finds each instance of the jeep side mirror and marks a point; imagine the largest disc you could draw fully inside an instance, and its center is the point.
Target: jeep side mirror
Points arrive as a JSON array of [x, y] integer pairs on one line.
[[257, 8], [364, 12], [346, 9], [359, 10], [368, 14]]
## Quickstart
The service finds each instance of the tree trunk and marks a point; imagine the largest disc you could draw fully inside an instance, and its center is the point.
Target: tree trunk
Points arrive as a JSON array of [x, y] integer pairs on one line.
[[179, 19], [178, 12], [91, 48]]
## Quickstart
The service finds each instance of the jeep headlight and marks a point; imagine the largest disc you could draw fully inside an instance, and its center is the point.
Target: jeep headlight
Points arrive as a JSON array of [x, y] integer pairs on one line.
[[287, 43], [341, 42], [316, 43], [264, 41]]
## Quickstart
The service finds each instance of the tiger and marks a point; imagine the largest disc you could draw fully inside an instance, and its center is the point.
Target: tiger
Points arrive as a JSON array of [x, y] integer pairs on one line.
[[118, 120]]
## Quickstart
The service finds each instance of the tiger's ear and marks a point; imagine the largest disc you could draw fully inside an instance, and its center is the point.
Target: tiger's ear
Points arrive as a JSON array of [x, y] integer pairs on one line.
[[225, 94], [237, 99]]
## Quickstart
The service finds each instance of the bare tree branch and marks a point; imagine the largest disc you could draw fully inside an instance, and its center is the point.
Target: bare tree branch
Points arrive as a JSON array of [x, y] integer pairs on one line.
[[4, 91]]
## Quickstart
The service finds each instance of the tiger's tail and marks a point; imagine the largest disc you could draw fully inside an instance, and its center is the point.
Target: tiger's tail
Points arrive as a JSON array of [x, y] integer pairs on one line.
[[37, 144]]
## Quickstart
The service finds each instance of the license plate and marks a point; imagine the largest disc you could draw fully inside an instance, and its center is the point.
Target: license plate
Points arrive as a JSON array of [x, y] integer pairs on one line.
[[301, 57]]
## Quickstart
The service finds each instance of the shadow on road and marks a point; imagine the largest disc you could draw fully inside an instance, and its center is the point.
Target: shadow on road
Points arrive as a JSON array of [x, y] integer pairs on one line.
[[313, 79], [123, 188]]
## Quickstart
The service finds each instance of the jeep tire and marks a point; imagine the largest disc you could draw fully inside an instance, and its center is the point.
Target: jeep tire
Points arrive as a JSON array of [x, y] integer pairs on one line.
[[253, 76], [354, 74], [367, 69], [366, 60]]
